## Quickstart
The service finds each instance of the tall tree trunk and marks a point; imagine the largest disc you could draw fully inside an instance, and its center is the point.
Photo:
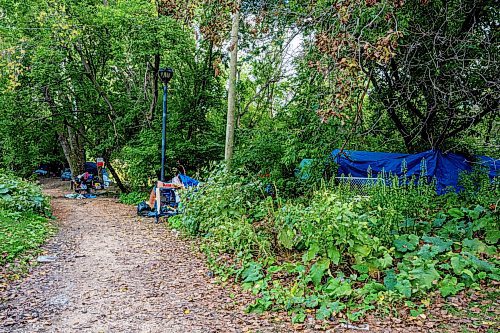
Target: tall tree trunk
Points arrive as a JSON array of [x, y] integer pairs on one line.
[[231, 96], [69, 138], [73, 149]]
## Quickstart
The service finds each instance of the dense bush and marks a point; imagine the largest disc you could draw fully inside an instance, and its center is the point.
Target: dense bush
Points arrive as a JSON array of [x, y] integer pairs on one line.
[[132, 198], [24, 225], [21, 196], [337, 251], [224, 219]]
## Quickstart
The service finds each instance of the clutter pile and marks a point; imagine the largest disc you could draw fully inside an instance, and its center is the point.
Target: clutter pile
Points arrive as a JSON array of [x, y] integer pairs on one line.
[[164, 198], [80, 196]]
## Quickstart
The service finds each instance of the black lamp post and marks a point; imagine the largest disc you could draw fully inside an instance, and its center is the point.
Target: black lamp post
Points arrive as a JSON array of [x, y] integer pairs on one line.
[[165, 76]]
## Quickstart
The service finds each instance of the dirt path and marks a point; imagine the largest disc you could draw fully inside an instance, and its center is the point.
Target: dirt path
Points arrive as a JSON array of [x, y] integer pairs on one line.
[[115, 272]]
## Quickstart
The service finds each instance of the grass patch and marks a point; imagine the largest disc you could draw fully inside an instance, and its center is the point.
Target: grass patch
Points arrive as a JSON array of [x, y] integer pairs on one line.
[[24, 225], [21, 235]]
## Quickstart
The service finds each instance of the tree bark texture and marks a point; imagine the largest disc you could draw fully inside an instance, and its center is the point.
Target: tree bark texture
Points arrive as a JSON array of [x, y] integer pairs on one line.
[[231, 96], [73, 150]]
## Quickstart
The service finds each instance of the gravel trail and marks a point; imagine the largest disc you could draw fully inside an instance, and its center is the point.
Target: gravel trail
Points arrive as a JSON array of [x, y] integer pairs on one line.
[[115, 272]]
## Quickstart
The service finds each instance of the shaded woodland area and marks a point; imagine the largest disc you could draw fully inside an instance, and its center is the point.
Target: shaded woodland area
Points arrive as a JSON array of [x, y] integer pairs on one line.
[[80, 80], [259, 86]]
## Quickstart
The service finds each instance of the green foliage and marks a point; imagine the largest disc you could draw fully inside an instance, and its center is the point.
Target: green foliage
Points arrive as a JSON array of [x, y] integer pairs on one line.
[[324, 252], [21, 196], [54, 95], [24, 225], [223, 213], [327, 227], [84, 76], [479, 188], [398, 204], [406, 243], [133, 198], [21, 234]]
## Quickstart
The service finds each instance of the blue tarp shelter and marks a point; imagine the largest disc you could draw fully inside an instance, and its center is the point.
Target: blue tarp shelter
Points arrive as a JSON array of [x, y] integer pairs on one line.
[[188, 181], [446, 168]]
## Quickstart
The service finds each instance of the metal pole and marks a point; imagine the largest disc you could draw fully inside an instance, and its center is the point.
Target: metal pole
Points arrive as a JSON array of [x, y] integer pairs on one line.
[[163, 132]]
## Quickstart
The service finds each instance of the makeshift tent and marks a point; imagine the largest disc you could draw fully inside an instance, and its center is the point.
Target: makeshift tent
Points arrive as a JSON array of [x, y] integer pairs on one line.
[[188, 181], [446, 168], [91, 168]]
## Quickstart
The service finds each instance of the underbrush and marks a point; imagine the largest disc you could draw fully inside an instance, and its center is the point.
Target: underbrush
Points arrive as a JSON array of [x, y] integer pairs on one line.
[[21, 233], [334, 252], [133, 198], [19, 195], [24, 222]]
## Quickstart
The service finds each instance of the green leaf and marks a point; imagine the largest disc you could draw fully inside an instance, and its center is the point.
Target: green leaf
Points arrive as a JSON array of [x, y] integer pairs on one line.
[[458, 263], [311, 253], [386, 261], [274, 269], [286, 237], [371, 288], [492, 236], [474, 245], [362, 250], [337, 306], [440, 244], [416, 312], [252, 273], [298, 317], [425, 277], [456, 213], [482, 223], [344, 289], [427, 252], [390, 280], [406, 243], [333, 254], [480, 264], [337, 288], [439, 221], [311, 302], [332, 285], [259, 306], [474, 214], [323, 313], [318, 270], [469, 273], [361, 268], [404, 287], [494, 276]]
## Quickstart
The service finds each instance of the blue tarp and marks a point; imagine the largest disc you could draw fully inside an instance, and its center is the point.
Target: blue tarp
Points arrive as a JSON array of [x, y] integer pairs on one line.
[[188, 181], [492, 164], [446, 168]]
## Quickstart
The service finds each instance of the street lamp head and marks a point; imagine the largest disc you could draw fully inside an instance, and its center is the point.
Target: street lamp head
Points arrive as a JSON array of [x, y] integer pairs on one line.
[[165, 74]]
